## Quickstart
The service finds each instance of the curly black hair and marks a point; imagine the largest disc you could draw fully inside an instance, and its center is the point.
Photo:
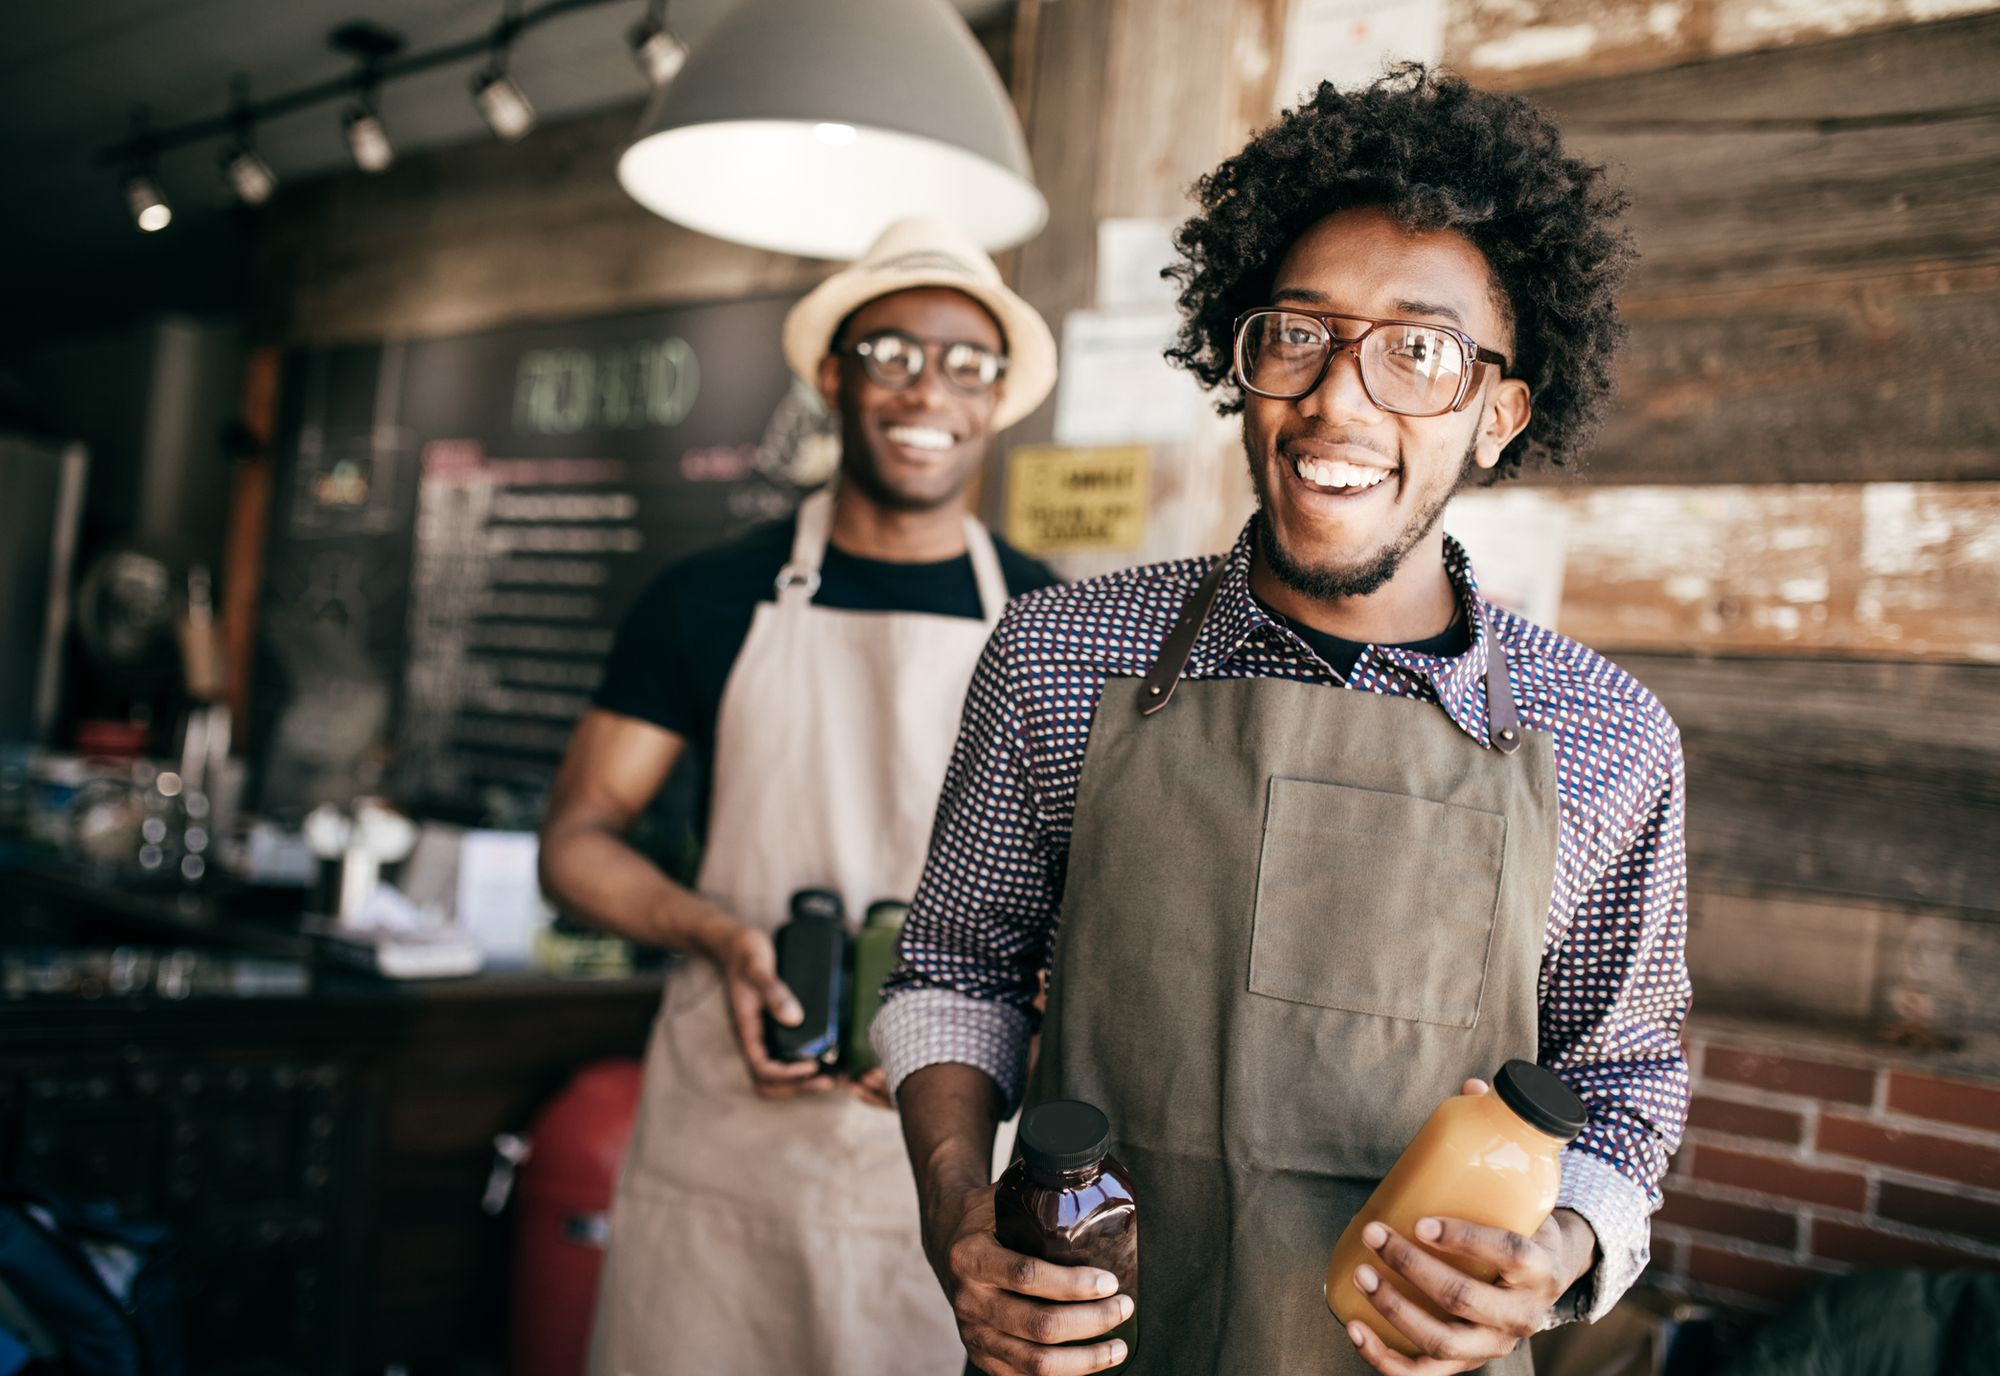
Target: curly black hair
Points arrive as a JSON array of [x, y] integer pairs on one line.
[[1435, 154]]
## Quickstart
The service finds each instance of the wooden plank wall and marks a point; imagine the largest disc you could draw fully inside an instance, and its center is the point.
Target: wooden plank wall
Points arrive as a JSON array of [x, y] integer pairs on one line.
[[1790, 528]]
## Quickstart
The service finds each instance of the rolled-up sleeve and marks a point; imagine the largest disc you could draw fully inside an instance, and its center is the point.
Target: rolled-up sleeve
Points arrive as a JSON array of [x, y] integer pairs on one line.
[[981, 924], [1616, 996]]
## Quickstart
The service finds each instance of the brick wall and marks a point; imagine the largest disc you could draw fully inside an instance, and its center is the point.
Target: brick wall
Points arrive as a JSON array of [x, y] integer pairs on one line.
[[1804, 1160]]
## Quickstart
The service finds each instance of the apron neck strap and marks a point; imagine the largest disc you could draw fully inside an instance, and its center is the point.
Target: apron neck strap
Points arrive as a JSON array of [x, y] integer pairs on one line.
[[1502, 717], [798, 581], [1503, 720], [986, 571], [1166, 672]]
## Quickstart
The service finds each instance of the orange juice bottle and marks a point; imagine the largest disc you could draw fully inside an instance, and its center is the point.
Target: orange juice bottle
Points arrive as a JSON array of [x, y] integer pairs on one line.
[[1491, 1158]]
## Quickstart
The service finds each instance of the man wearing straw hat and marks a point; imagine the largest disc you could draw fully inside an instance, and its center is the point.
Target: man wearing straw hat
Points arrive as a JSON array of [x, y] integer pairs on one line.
[[766, 1220]]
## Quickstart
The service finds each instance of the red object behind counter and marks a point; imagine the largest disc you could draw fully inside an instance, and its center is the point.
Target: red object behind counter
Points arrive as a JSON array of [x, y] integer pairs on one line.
[[563, 1199]]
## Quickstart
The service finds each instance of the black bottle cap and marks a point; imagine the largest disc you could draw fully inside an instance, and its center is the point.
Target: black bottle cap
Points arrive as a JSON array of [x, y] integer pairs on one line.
[[821, 904], [1540, 1100], [1064, 1135]]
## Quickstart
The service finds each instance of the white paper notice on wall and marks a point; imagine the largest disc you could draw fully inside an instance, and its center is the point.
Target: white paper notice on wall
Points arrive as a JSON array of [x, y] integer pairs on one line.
[[1518, 543], [1130, 256], [1117, 386], [1349, 42], [500, 903]]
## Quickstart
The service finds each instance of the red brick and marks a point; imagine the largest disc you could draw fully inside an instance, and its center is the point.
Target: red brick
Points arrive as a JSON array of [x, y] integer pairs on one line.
[[1746, 1221], [1944, 1213], [1746, 1120], [1666, 1259], [1847, 1084], [1786, 1179], [1748, 1275], [1850, 1242], [1946, 1101], [1969, 1163]]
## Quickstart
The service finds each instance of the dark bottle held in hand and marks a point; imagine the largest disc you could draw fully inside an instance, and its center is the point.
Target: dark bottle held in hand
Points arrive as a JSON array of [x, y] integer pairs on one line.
[[1067, 1201], [812, 958]]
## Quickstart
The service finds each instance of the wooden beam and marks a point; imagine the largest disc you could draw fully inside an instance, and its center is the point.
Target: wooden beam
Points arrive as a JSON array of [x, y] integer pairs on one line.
[[1889, 377], [1868, 570], [1870, 155], [1871, 781]]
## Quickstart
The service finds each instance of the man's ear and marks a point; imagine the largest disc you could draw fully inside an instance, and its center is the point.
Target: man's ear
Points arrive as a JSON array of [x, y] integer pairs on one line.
[[829, 382], [1502, 416]]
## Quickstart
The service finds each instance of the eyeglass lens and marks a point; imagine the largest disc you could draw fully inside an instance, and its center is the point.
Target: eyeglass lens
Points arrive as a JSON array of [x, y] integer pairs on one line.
[[897, 360], [1405, 368]]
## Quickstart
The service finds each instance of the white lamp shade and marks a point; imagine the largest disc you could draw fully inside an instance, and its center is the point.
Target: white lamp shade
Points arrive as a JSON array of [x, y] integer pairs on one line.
[[807, 127]]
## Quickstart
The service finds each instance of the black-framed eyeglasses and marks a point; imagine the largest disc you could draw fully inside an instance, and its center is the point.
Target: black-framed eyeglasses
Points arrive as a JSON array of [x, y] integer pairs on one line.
[[896, 359], [1408, 367]]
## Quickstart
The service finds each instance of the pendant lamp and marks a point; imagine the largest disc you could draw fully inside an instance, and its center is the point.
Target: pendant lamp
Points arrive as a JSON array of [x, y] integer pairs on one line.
[[807, 126]]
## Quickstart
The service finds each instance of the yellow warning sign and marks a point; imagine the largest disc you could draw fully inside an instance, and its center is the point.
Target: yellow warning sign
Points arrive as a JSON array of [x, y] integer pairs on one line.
[[1065, 501]]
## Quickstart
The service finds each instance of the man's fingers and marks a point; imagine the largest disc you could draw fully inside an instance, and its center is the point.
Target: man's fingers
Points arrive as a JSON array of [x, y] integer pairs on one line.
[[1044, 1324], [1425, 1331], [746, 1010], [1386, 1359], [1521, 1262], [1013, 1354], [1449, 1288], [979, 1258]]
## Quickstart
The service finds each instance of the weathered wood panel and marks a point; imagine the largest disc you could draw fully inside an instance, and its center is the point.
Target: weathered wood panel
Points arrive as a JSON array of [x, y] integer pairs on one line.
[[1870, 378], [1852, 158], [1873, 781], [1516, 44], [1890, 570]]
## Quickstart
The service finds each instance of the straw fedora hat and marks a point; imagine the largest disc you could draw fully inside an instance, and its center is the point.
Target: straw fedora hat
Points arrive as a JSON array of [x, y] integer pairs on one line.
[[929, 252]]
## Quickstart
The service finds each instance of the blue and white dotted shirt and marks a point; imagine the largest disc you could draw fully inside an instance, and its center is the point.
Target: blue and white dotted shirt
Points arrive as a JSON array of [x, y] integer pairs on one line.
[[1613, 989]]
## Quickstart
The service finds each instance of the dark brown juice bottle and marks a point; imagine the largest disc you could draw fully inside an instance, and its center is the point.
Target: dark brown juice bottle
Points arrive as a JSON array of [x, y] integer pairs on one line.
[[1067, 1201]]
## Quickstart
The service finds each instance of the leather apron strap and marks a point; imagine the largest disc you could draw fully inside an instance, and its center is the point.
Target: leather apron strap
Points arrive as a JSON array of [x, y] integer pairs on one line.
[[1503, 718]]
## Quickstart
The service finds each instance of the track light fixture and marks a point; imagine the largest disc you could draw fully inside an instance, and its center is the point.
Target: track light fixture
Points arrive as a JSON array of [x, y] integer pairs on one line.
[[367, 137], [143, 196], [505, 109], [659, 54], [247, 174]]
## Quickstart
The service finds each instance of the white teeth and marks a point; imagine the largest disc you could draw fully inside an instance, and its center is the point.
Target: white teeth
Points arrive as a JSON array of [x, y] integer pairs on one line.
[[1331, 473], [920, 437]]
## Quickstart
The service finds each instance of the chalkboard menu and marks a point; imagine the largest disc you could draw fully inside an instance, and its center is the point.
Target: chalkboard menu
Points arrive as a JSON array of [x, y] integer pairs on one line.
[[459, 525]]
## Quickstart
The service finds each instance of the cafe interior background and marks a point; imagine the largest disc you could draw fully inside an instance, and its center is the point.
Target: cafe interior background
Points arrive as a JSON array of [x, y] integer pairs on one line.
[[342, 412]]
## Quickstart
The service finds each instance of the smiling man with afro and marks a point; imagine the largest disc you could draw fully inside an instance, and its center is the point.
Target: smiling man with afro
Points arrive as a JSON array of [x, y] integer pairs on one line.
[[1313, 843]]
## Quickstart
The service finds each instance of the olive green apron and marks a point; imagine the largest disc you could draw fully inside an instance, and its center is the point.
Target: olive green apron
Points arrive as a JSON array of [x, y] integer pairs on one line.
[[1296, 918]]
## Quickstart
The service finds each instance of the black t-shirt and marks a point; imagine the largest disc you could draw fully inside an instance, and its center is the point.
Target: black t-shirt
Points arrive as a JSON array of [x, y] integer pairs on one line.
[[674, 650], [1453, 641]]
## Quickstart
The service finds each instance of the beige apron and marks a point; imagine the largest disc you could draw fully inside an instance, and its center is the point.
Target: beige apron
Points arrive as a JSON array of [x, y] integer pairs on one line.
[[1297, 917], [754, 1237]]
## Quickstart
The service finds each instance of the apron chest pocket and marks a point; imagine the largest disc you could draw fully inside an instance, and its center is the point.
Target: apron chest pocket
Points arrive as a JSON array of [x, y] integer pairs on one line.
[[1375, 903]]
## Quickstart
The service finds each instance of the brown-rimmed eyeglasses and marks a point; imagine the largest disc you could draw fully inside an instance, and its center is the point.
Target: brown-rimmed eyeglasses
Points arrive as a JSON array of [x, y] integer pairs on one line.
[[1408, 367]]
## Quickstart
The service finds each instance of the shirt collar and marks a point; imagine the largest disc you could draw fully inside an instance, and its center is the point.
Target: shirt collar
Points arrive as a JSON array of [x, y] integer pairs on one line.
[[1458, 682]]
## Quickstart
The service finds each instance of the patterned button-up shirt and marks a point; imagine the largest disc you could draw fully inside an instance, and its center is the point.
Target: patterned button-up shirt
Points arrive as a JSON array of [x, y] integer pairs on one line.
[[1613, 987]]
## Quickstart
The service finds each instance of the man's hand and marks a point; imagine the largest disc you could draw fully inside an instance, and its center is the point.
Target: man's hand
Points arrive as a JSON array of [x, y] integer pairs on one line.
[[871, 1087], [1014, 1311], [1485, 1320], [749, 965]]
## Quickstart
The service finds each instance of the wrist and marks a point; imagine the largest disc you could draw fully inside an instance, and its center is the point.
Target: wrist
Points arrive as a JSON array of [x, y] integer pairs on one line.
[[709, 932], [1579, 1247]]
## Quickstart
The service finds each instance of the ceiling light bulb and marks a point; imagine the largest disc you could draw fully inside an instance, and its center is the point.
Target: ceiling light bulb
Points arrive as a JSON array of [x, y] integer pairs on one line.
[[367, 139], [506, 111], [659, 54], [248, 175], [149, 205]]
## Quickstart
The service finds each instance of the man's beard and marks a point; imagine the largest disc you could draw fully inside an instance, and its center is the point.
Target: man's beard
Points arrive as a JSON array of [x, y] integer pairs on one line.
[[1327, 584], [859, 468]]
